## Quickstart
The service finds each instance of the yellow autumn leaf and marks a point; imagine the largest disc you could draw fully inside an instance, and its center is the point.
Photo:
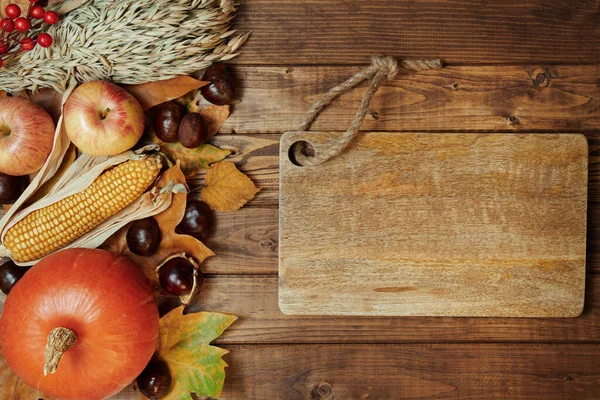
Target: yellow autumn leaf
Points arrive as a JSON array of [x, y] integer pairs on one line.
[[226, 188]]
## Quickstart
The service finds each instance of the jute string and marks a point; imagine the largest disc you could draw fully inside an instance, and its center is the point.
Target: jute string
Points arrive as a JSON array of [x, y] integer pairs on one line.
[[381, 68]]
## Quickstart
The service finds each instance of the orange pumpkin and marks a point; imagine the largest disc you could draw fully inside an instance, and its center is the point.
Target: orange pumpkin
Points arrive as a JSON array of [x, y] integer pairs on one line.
[[81, 324]]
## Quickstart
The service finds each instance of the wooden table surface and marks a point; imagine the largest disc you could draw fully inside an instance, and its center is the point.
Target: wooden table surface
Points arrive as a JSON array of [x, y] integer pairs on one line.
[[511, 66]]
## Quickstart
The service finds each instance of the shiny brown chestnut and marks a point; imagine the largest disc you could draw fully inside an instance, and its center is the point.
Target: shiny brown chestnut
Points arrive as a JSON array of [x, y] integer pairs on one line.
[[143, 237], [222, 87], [10, 274], [192, 132], [197, 220], [167, 118]]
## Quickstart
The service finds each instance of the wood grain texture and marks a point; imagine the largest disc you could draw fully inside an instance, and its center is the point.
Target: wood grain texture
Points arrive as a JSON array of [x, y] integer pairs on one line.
[[254, 300], [444, 371], [246, 241], [436, 225], [511, 98], [474, 31]]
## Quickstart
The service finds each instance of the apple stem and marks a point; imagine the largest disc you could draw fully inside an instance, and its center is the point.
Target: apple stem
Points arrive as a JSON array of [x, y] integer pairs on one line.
[[104, 113]]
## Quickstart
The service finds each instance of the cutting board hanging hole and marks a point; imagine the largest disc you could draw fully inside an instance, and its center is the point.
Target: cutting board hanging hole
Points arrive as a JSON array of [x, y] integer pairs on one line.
[[299, 151]]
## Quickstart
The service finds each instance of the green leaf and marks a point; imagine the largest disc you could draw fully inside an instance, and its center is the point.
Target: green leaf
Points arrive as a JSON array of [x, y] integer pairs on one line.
[[184, 344]]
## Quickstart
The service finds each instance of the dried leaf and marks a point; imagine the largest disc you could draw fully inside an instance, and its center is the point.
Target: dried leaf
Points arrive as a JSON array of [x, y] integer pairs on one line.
[[192, 160], [50, 100], [213, 116], [154, 93], [170, 241], [66, 162], [227, 189], [13, 388], [184, 344]]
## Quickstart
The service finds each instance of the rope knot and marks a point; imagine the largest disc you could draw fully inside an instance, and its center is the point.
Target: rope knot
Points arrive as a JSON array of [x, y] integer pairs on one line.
[[387, 64]]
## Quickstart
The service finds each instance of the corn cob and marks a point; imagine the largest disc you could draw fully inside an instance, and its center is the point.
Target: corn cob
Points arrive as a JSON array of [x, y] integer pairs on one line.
[[55, 226]]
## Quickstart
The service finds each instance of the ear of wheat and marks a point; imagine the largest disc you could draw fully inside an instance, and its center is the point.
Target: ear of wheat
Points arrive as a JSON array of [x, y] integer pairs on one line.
[[129, 42]]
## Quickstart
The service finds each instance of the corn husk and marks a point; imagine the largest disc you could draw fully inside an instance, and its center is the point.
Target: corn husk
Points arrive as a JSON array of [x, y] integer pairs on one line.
[[77, 178]]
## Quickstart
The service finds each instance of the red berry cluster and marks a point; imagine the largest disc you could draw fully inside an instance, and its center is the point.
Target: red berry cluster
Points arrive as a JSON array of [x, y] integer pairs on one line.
[[15, 27]]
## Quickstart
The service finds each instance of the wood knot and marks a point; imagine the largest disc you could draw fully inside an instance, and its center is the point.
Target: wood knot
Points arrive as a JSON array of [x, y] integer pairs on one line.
[[322, 391], [512, 120], [541, 77], [267, 244], [375, 115]]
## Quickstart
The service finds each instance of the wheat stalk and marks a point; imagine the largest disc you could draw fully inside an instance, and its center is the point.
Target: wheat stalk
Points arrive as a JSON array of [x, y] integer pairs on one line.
[[128, 41]]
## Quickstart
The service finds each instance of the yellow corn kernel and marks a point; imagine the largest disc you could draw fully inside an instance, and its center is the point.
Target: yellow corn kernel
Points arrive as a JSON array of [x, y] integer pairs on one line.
[[78, 214]]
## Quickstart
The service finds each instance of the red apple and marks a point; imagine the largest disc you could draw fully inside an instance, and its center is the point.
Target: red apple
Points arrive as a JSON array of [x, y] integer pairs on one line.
[[26, 136], [102, 119]]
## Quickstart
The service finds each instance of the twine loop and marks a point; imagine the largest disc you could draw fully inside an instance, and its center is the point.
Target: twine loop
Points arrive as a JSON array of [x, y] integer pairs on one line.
[[387, 65], [381, 68]]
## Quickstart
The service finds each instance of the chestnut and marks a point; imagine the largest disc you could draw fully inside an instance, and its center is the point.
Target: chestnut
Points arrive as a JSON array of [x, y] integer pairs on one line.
[[197, 220], [221, 89], [11, 187], [155, 380], [192, 132], [167, 117], [176, 276], [10, 274], [143, 237]]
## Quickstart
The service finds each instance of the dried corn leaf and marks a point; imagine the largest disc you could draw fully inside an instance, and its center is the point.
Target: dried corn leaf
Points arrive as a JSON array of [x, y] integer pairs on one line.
[[227, 189], [170, 242], [154, 93], [67, 161]]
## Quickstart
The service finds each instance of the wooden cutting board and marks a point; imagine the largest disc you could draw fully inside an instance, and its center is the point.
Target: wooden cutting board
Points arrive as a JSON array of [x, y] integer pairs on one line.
[[435, 225]]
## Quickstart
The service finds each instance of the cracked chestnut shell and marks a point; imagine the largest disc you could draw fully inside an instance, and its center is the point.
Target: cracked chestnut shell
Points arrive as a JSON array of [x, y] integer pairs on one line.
[[167, 118], [192, 132], [180, 275]]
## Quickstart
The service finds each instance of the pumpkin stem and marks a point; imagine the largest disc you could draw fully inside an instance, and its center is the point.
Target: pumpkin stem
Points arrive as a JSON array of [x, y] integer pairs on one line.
[[59, 341]]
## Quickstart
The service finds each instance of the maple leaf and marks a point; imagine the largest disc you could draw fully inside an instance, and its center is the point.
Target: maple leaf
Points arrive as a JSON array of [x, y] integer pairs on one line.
[[170, 241], [184, 344], [226, 188], [153, 93]]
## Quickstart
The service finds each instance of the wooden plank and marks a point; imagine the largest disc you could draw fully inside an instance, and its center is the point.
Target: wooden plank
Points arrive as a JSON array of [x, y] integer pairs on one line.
[[350, 31], [427, 224], [255, 250], [254, 299], [246, 242], [507, 98], [444, 371]]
